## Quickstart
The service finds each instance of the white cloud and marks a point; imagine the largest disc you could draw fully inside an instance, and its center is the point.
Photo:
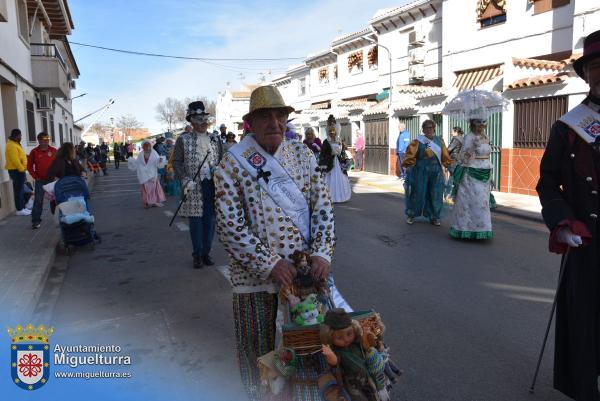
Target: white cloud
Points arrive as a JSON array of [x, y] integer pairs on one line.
[[251, 29]]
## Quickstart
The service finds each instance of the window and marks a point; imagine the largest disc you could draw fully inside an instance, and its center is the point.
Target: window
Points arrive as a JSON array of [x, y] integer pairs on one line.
[[491, 12], [534, 118], [30, 121], [71, 134], [302, 87], [44, 118], [23, 23], [52, 132], [541, 6], [60, 134]]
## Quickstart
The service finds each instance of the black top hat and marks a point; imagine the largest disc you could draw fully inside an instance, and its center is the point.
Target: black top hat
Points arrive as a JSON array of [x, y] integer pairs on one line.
[[591, 50], [195, 109]]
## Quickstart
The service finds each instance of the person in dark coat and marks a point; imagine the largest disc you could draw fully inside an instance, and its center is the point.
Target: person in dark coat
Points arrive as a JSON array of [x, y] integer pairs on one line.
[[568, 190]]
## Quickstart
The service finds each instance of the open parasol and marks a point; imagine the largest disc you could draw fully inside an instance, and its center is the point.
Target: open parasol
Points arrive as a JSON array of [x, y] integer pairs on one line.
[[475, 104]]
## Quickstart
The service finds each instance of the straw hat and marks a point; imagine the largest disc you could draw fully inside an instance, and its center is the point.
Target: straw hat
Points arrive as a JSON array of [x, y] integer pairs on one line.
[[266, 97]]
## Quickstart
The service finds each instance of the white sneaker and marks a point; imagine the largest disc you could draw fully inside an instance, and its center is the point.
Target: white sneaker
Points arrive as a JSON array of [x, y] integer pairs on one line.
[[23, 212], [159, 204], [29, 204]]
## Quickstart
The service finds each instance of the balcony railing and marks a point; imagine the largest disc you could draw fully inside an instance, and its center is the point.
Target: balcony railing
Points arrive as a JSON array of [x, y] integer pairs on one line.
[[47, 50]]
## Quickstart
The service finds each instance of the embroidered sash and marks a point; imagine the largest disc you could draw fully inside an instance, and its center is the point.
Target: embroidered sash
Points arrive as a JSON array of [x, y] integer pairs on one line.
[[275, 180], [435, 148], [584, 121]]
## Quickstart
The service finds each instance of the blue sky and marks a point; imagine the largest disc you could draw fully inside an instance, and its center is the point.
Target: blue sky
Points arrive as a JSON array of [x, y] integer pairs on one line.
[[220, 29]]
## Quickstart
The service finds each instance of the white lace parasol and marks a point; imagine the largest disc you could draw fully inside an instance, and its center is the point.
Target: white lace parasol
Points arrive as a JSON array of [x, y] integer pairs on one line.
[[475, 104]]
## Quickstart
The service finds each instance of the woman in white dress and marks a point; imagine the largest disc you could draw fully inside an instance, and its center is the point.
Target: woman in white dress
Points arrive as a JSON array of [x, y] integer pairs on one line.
[[471, 217], [332, 161]]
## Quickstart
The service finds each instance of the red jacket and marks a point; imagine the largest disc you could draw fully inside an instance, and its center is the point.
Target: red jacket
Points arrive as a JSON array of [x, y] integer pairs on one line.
[[38, 162]]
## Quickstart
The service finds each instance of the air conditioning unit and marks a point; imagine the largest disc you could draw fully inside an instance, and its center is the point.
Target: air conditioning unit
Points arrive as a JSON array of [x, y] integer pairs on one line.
[[416, 56], [416, 72], [416, 38], [44, 101]]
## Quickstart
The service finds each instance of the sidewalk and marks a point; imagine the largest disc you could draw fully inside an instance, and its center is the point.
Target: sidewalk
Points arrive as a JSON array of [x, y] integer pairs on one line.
[[522, 206], [26, 257]]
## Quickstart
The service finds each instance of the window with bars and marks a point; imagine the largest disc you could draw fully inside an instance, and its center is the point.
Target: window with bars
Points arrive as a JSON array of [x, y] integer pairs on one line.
[[534, 118], [44, 118], [30, 121]]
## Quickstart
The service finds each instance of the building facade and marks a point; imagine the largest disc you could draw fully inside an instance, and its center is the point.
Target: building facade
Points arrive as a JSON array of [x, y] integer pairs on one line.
[[37, 73], [411, 60]]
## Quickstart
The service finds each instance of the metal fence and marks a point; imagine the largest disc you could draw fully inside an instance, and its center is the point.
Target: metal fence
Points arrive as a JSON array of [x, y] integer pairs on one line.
[[534, 118], [47, 50]]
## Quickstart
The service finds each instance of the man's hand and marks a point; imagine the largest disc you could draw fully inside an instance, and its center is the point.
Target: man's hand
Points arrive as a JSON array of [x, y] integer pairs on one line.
[[320, 267], [283, 272]]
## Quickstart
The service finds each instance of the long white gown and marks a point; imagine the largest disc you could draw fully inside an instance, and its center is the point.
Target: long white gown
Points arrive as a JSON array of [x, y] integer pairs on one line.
[[338, 182], [471, 217]]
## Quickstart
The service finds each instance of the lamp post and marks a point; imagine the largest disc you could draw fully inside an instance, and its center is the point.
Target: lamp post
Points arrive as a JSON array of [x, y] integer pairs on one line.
[[373, 41]]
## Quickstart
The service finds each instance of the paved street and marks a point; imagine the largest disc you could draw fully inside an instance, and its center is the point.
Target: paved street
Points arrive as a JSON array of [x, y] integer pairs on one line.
[[464, 320]]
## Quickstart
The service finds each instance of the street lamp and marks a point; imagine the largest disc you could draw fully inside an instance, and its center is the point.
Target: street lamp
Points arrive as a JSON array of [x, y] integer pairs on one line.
[[83, 94], [373, 41]]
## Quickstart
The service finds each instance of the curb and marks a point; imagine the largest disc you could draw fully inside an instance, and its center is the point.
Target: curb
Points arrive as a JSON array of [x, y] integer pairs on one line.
[[500, 209]]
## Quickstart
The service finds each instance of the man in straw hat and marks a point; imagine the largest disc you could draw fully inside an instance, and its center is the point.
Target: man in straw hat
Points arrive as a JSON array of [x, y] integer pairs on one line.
[[568, 190], [271, 201], [190, 150]]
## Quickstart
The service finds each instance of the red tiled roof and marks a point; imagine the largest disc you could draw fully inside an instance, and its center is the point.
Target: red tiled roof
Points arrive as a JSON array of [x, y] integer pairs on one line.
[[471, 78], [538, 81], [541, 64]]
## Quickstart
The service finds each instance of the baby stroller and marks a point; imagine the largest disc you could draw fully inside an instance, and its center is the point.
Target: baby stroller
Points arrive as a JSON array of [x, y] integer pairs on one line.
[[74, 217]]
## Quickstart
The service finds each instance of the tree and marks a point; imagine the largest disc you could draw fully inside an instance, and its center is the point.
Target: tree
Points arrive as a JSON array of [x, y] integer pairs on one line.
[[171, 112], [127, 124]]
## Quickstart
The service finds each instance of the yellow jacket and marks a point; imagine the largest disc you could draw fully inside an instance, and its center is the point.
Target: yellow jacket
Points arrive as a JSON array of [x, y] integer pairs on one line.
[[15, 157]]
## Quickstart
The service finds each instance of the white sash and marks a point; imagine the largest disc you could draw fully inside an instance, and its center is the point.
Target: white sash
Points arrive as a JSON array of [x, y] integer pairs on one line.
[[275, 180], [584, 121], [431, 145]]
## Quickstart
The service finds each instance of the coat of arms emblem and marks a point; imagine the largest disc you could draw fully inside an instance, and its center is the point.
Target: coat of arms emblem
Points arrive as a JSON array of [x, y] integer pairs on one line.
[[30, 355]]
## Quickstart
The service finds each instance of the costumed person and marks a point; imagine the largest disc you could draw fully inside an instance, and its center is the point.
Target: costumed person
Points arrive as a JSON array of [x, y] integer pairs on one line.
[[146, 165], [454, 147], [332, 161], [313, 143], [38, 162], [190, 150], [361, 368], [471, 216], [267, 186], [359, 146], [568, 190], [425, 159]]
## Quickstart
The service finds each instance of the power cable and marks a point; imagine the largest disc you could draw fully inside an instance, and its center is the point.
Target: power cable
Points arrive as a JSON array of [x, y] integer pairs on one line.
[[184, 57]]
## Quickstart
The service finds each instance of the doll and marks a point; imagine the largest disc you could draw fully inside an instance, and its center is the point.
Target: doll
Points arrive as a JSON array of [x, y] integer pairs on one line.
[[392, 372], [342, 348], [307, 312]]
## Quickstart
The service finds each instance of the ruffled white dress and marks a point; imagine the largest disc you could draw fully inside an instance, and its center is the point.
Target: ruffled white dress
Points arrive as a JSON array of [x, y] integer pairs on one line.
[[337, 181]]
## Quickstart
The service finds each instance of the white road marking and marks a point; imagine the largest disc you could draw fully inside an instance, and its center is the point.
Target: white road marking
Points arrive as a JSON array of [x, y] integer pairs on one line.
[[182, 226], [169, 213], [224, 270]]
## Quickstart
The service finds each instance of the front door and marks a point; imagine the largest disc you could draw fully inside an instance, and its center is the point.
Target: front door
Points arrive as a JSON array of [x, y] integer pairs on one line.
[[376, 145]]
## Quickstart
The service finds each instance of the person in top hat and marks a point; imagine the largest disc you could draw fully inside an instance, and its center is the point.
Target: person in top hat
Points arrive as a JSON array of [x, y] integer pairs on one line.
[[39, 160], [568, 189], [190, 150], [268, 191]]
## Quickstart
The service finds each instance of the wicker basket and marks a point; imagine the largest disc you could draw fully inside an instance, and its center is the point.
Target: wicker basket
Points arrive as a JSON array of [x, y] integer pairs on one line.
[[306, 340]]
